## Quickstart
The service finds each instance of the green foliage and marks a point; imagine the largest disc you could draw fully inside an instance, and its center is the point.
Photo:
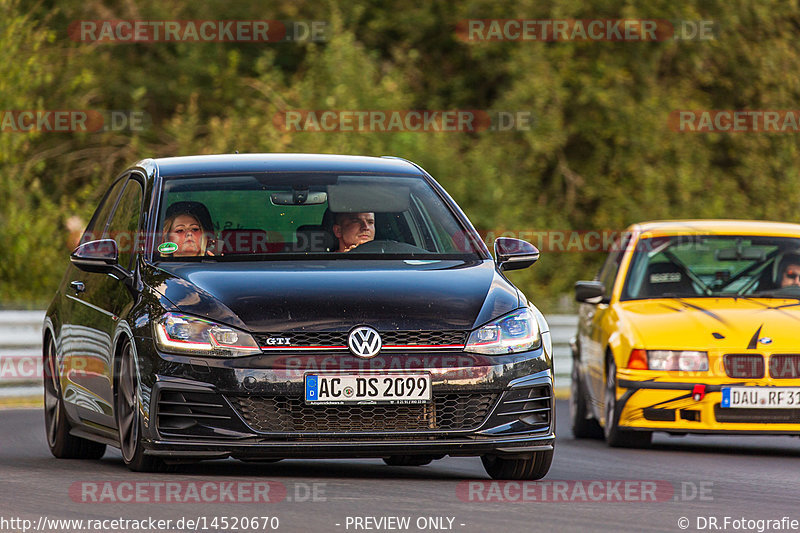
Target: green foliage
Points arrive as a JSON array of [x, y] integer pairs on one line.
[[599, 155]]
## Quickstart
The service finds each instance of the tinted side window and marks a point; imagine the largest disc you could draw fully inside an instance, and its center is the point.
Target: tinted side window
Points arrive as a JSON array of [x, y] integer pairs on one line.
[[96, 226], [125, 222], [610, 268]]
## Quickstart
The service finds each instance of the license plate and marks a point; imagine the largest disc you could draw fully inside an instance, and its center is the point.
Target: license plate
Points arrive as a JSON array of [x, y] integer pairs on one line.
[[369, 389], [761, 397]]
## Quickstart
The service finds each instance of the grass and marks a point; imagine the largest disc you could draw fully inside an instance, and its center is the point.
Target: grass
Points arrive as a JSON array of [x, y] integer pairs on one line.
[[22, 402]]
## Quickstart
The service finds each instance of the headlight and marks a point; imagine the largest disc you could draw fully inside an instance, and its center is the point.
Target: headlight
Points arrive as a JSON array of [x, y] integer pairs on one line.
[[515, 332], [687, 361], [184, 334]]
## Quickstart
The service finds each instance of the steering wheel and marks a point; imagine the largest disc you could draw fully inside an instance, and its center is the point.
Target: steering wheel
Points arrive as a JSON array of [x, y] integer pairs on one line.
[[386, 246]]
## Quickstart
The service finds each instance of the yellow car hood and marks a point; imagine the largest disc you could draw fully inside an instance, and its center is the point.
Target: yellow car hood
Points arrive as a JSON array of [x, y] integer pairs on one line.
[[714, 323]]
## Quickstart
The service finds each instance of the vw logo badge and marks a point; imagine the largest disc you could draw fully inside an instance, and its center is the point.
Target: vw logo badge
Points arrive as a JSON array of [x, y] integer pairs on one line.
[[364, 342]]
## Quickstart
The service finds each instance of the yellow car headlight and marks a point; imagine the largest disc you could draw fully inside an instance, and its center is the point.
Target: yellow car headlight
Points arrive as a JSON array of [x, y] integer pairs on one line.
[[681, 360]]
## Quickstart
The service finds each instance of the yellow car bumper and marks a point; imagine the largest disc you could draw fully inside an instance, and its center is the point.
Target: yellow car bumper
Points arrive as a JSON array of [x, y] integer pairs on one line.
[[686, 405]]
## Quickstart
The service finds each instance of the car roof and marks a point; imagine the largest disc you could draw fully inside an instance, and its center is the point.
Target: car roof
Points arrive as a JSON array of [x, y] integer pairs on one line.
[[716, 226], [235, 163]]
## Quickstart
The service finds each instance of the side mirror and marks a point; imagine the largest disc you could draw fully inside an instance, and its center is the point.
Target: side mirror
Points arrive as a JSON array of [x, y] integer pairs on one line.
[[590, 292], [513, 254], [97, 256]]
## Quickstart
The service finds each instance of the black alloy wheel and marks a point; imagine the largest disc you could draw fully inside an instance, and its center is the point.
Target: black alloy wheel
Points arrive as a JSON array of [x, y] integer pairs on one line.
[[128, 417], [61, 443]]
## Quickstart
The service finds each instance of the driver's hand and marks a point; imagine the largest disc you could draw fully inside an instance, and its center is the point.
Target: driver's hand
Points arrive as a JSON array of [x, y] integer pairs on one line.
[[350, 248]]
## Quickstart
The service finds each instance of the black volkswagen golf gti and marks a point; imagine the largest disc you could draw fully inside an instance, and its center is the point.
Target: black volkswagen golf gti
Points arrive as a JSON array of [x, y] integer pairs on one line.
[[272, 306]]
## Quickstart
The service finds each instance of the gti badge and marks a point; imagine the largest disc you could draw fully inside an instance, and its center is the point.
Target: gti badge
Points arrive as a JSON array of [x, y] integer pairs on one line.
[[765, 340], [278, 341], [364, 342]]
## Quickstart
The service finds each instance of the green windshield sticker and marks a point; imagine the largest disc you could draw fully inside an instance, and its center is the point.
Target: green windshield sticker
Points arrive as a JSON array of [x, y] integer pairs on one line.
[[167, 247]]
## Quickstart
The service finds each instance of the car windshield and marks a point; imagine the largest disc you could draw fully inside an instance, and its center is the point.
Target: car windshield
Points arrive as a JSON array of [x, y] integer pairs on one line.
[[714, 266], [320, 215]]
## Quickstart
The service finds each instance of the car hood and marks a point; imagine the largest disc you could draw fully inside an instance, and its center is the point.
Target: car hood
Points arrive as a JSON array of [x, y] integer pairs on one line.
[[713, 323], [279, 296]]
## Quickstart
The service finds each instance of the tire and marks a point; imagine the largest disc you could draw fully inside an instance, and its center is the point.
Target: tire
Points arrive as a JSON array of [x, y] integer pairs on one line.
[[126, 412], [530, 468], [408, 460], [584, 426], [62, 445], [616, 437]]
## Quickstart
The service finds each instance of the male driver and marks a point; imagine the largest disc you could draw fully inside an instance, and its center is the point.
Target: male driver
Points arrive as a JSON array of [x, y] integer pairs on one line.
[[353, 229], [790, 271]]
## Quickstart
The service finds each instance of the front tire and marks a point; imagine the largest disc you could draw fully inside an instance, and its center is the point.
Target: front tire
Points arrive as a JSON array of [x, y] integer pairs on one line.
[[616, 437], [529, 468], [62, 445], [128, 419], [584, 426]]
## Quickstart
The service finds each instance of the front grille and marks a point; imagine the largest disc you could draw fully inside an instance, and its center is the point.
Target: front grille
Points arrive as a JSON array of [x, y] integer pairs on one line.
[[303, 339], [193, 414], [423, 338], [744, 365], [756, 416], [447, 412], [785, 366]]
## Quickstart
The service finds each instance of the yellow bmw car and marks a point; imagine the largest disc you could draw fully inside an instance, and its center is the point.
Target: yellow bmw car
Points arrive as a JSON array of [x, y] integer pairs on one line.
[[691, 326]]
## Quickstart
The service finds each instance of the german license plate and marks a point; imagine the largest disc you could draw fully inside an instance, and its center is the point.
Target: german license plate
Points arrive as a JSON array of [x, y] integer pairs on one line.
[[366, 388], [761, 397]]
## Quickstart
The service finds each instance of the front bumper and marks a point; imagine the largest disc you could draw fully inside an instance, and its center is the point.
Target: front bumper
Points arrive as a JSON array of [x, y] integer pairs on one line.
[[253, 408], [655, 405], [349, 449]]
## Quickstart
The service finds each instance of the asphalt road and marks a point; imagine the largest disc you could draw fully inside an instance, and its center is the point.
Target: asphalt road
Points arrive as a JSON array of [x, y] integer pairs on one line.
[[695, 478]]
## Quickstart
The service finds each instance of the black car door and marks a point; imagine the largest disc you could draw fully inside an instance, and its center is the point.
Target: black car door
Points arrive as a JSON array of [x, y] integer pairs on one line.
[[104, 301], [77, 345]]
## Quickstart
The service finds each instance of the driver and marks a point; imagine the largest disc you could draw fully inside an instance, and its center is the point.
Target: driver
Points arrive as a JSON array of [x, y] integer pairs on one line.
[[790, 271], [353, 229], [188, 225]]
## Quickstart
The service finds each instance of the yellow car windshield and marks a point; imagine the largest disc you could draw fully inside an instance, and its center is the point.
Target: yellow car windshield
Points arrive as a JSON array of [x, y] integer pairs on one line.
[[713, 266]]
